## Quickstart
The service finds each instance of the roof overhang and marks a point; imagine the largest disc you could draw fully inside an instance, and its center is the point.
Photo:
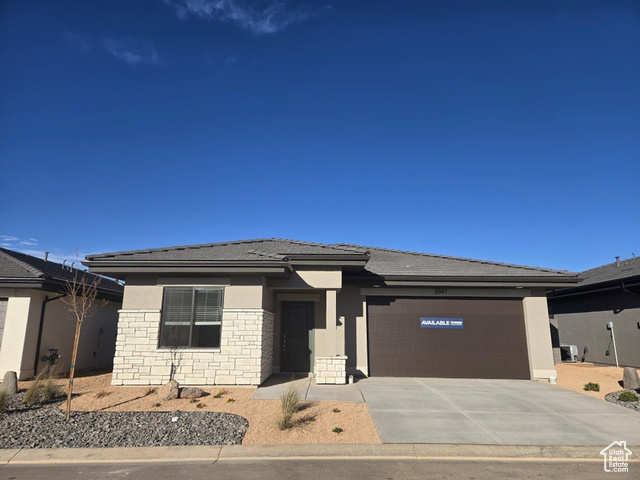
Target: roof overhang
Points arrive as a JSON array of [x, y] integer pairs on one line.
[[612, 285], [53, 285], [464, 281]]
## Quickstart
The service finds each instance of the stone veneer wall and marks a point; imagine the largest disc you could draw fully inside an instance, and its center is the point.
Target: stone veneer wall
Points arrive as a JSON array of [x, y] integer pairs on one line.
[[245, 356], [331, 370]]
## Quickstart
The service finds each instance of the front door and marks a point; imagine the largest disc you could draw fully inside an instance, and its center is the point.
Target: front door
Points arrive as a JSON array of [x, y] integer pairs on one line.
[[297, 322]]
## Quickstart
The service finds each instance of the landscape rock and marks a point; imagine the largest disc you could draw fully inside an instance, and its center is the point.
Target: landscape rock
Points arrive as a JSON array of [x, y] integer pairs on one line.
[[630, 379], [28, 427], [170, 391], [192, 392], [10, 383]]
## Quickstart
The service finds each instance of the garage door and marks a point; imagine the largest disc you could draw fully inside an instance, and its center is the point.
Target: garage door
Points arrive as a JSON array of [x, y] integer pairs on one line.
[[433, 337]]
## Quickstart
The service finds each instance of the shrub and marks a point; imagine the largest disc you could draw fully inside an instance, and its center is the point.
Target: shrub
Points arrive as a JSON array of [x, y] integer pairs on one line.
[[220, 393], [336, 410], [592, 387], [150, 391], [4, 400], [201, 405], [229, 400], [337, 430], [102, 393], [628, 397], [289, 406], [157, 404], [41, 391]]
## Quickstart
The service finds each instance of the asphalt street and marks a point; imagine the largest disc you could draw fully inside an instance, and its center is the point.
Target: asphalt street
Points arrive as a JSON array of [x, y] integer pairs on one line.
[[356, 469]]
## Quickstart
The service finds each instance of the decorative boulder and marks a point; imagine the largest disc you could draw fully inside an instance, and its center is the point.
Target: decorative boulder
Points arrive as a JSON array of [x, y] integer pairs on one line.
[[191, 392], [170, 391], [10, 383], [630, 379]]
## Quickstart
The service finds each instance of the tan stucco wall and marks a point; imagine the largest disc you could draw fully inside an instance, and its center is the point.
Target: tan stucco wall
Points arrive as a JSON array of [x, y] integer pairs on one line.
[[97, 336], [352, 313], [145, 293], [19, 342], [319, 279], [536, 320], [18, 349]]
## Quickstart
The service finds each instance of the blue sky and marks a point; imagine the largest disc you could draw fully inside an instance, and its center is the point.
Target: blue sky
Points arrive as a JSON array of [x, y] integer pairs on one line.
[[498, 130]]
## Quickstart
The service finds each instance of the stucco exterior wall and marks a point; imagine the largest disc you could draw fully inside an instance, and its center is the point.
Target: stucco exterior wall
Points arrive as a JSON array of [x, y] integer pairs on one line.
[[582, 320], [97, 336], [352, 314], [20, 338], [536, 321]]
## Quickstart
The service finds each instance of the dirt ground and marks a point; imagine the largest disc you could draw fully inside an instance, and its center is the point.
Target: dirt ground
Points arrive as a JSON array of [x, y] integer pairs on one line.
[[318, 419], [573, 376]]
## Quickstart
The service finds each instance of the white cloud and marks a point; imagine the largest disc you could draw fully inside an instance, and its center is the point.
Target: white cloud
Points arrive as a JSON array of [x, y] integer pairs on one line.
[[259, 17], [133, 51], [79, 41], [9, 238]]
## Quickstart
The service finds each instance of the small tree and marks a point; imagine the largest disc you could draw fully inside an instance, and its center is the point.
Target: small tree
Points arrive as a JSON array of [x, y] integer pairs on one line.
[[81, 302]]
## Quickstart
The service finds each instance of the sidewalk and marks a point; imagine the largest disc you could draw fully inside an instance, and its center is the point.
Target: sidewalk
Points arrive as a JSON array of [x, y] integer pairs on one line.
[[297, 452]]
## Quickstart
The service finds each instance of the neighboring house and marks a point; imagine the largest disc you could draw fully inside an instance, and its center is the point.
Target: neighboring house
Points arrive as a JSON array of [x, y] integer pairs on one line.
[[580, 315], [235, 312], [33, 318]]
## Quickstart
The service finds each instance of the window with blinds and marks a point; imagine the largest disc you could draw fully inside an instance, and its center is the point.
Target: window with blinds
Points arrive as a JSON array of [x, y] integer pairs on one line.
[[191, 317]]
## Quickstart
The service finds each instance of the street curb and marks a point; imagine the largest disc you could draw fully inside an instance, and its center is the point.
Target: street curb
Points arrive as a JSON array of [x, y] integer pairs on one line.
[[417, 452]]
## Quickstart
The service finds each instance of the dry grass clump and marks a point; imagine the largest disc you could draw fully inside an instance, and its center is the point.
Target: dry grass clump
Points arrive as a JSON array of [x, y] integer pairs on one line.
[[4, 400], [43, 389], [289, 406]]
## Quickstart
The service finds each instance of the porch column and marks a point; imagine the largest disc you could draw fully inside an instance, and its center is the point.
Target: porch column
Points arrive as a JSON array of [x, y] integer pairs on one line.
[[331, 316], [331, 369]]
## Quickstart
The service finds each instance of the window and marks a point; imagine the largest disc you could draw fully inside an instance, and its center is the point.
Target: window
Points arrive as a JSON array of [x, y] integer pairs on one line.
[[191, 317]]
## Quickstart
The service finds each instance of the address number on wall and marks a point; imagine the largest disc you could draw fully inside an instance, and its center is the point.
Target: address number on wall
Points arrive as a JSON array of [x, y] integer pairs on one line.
[[440, 291]]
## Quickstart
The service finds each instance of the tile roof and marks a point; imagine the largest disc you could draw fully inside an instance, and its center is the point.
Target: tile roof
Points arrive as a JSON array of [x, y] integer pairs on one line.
[[611, 272], [384, 262], [388, 262], [20, 266]]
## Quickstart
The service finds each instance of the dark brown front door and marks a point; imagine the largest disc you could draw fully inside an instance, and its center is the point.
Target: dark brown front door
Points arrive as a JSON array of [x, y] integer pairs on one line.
[[491, 343], [297, 322]]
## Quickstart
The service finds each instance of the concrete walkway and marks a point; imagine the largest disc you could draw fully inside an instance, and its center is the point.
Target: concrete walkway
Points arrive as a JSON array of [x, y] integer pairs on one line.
[[190, 454], [308, 390], [504, 412]]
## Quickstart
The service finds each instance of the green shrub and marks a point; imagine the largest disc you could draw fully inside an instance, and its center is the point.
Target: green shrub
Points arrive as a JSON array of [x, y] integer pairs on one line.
[[150, 391], [628, 397], [4, 400], [337, 430], [220, 393], [289, 406], [592, 387], [42, 390]]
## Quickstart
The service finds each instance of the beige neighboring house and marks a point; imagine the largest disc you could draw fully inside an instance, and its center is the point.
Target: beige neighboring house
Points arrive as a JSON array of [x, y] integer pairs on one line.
[[33, 319], [234, 313]]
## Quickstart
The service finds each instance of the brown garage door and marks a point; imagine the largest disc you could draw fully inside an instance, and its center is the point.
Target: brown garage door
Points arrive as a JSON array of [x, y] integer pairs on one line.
[[491, 343]]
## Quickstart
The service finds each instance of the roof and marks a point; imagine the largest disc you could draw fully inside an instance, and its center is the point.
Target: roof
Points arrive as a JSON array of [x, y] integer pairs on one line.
[[611, 272], [370, 260], [21, 269], [386, 262], [263, 249]]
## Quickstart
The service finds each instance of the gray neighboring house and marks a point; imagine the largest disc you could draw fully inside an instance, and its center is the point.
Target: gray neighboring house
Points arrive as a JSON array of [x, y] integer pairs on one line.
[[580, 315], [33, 319], [233, 313]]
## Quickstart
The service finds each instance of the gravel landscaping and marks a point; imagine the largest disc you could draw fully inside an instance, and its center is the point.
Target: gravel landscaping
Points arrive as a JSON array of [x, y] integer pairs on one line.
[[45, 427], [613, 398]]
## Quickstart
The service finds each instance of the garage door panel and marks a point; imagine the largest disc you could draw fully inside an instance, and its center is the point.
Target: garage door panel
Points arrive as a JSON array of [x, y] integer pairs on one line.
[[492, 343]]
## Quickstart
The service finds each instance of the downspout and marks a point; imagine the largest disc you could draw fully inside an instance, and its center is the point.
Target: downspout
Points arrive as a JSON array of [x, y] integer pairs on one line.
[[40, 328]]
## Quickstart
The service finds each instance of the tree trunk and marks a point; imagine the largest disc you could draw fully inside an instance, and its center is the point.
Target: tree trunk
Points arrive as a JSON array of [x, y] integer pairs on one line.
[[73, 369]]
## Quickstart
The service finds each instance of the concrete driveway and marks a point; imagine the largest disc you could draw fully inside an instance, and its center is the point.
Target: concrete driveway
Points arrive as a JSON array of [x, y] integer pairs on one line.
[[508, 412]]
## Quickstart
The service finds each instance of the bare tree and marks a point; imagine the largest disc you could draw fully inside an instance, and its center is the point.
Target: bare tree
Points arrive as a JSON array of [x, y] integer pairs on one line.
[[81, 303]]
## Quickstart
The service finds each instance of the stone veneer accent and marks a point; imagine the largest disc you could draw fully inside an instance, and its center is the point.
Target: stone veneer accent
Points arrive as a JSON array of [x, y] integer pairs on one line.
[[331, 370], [245, 356]]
